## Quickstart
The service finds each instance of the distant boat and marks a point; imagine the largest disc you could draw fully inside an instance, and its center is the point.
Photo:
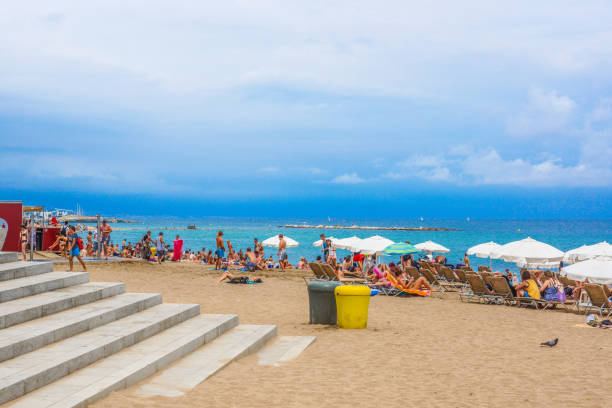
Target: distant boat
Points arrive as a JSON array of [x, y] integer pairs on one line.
[[191, 227]]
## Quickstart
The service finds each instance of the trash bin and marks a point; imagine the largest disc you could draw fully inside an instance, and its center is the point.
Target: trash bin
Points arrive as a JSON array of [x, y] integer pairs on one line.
[[352, 302], [322, 302]]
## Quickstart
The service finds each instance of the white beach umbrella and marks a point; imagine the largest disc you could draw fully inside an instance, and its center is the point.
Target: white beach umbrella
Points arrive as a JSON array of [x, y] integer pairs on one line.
[[431, 247], [372, 245], [602, 251], [274, 242], [319, 243], [528, 252], [484, 250], [595, 270], [348, 243]]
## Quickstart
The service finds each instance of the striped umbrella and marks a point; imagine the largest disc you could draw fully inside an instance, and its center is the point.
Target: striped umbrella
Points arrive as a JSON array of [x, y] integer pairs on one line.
[[400, 248]]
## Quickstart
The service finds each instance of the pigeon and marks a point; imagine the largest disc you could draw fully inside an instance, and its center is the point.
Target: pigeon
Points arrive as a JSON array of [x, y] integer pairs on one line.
[[551, 343]]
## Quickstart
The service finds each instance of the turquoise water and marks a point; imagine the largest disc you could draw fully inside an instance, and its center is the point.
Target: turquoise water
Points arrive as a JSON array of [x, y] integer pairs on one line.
[[564, 235]]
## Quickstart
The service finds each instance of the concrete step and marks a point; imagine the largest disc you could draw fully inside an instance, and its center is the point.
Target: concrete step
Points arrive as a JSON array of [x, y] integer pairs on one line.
[[31, 371], [129, 366], [8, 257], [204, 362], [32, 307], [32, 285], [283, 349], [30, 336], [21, 269]]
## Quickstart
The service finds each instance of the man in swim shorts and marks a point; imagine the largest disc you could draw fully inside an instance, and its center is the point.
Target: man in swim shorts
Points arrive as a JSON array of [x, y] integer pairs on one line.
[[251, 262], [105, 230], [282, 253], [220, 252], [73, 246]]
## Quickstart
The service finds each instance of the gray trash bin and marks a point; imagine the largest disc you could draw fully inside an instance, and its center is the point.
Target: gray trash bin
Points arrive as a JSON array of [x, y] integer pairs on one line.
[[322, 302]]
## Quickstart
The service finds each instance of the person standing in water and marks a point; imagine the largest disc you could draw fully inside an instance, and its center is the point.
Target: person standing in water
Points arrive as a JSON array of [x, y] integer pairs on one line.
[[74, 247], [220, 252], [282, 254]]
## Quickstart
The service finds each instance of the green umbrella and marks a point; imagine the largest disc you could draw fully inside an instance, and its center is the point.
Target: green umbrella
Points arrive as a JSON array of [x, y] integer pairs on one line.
[[401, 248]]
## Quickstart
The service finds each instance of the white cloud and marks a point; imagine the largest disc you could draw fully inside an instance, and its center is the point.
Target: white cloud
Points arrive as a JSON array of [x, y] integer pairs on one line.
[[545, 112], [489, 168], [268, 170], [348, 178]]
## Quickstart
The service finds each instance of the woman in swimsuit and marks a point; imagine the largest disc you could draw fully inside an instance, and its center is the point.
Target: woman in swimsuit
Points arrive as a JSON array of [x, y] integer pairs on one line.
[[23, 235], [408, 283]]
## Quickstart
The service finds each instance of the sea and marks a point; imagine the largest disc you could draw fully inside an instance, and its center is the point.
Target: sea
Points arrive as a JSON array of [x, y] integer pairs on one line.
[[562, 234]]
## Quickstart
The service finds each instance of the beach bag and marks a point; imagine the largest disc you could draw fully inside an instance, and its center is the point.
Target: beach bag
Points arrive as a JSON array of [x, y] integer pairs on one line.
[[79, 243], [561, 295]]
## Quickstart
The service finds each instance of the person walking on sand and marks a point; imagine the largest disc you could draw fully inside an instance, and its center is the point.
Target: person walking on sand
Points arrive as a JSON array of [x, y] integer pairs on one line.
[[160, 248], [282, 253], [105, 230], [75, 244], [220, 252]]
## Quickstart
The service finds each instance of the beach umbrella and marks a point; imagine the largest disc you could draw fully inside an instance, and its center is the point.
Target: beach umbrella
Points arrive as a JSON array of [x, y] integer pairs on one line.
[[595, 270], [400, 248], [602, 251], [528, 252], [319, 243], [431, 247], [347, 243], [484, 250], [372, 245], [274, 242]]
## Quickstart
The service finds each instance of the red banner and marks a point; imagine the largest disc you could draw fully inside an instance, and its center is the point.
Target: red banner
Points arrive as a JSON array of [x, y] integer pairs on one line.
[[10, 224]]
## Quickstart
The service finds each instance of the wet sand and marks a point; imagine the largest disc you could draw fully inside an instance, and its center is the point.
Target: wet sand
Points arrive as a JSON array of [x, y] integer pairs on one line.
[[415, 351]]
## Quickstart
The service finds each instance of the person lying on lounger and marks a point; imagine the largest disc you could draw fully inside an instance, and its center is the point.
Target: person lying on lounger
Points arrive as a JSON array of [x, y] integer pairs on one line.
[[238, 279], [408, 282]]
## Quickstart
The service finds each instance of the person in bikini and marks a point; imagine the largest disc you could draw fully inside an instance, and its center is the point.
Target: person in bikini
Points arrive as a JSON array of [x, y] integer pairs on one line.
[[23, 236], [408, 283], [238, 279], [282, 253]]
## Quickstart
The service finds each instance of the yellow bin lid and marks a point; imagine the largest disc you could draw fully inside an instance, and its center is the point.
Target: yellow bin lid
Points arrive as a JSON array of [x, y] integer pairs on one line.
[[352, 290]]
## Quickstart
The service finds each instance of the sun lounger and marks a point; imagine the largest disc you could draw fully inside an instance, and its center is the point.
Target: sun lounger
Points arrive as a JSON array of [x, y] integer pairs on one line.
[[399, 291], [599, 300], [482, 268], [331, 274], [413, 272], [450, 277], [477, 290], [462, 276], [435, 282], [502, 289], [317, 272]]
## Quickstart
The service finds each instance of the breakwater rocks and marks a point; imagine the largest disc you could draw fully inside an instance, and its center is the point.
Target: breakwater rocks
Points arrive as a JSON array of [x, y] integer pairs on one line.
[[358, 227]]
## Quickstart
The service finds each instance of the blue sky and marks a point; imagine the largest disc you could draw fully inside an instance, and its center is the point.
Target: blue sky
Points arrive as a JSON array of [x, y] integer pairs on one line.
[[499, 110]]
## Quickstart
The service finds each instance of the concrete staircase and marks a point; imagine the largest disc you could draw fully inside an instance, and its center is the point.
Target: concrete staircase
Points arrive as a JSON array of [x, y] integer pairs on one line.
[[66, 342]]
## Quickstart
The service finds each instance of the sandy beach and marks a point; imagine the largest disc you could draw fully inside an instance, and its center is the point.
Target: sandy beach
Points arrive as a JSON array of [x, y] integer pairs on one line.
[[415, 351]]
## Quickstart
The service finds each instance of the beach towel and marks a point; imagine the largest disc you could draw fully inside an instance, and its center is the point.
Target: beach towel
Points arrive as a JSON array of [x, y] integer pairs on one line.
[[178, 250]]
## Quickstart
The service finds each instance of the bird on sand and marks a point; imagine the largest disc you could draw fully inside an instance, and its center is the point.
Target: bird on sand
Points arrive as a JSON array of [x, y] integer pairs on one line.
[[551, 343]]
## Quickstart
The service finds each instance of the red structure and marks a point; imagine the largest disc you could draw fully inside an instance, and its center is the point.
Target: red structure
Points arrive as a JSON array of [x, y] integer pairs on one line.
[[49, 235], [10, 224]]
